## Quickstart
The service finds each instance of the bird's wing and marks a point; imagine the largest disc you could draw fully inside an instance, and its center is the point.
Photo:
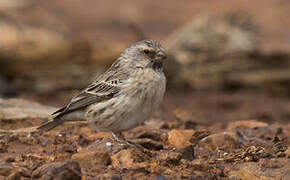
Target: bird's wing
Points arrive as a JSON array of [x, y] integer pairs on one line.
[[106, 87], [93, 94]]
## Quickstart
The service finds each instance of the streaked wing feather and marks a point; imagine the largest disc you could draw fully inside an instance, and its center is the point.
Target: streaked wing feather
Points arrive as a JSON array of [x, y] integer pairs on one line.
[[93, 94]]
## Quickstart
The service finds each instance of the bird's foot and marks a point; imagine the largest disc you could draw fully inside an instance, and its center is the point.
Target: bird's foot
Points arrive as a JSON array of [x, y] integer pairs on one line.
[[127, 143]]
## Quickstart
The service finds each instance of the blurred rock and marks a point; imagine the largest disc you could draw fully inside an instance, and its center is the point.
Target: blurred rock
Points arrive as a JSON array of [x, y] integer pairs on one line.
[[187, 153], [279, 147], [6, 89], [14, 176], [199, 175], [227, 140], [91, 158], [161, 178], [216, 53], [69, 170], [200, 46], [14, 110], [3, 146], [187, 119], [6, 169], [267, 169], [40, 54], [249, 124]]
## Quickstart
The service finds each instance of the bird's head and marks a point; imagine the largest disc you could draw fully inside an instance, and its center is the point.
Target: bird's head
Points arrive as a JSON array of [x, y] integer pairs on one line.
[[146, 53]]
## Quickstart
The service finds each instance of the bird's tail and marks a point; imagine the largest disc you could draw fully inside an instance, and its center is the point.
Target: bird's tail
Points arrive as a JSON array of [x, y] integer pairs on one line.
[[50, 124]]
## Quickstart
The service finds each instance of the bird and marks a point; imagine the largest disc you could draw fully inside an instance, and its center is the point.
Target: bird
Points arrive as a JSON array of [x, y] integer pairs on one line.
[[122, 97]]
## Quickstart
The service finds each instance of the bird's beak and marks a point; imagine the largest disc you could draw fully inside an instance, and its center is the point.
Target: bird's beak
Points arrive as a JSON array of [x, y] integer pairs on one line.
[[160, 56]]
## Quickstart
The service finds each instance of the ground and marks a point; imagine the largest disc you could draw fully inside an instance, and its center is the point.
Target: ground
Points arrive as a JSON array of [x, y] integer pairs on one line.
[[206, 135]]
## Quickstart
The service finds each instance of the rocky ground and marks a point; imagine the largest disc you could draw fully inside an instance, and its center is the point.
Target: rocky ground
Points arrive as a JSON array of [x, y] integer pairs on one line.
[[225, 114], [208, 142]]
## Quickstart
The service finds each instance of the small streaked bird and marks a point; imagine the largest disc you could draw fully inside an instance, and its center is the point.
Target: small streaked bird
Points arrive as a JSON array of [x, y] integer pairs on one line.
[[123, 96]]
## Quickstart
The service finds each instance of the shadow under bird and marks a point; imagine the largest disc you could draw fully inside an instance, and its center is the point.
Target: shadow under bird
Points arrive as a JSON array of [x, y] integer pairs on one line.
[[123, 96]]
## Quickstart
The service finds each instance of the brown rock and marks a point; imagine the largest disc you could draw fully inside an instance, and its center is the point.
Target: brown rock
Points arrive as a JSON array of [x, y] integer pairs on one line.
[[69, 170], [248, 123], [180, 138], [187, 152], [91, 158], [129, 159], [221, 140]]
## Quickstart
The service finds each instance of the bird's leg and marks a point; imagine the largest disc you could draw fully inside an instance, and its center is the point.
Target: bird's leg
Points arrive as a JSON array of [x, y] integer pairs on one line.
[[123, 141], [116, 138]]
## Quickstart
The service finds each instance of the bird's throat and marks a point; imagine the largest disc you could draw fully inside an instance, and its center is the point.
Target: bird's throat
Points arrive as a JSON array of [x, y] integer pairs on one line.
[[157, 65]]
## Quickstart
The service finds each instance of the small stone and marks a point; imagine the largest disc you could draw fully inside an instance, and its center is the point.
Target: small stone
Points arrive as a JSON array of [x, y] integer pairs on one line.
[[92, 158], [129, 159], [187, 152], [109, 144], [180, 138]]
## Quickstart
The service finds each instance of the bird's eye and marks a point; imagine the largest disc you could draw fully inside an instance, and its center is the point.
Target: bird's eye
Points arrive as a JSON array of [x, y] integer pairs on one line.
[[146, 51]]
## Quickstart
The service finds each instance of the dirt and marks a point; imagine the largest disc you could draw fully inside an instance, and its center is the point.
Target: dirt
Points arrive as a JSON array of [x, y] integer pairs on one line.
[[194, 136]]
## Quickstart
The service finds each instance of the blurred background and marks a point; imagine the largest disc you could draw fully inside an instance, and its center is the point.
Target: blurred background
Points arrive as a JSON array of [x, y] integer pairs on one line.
[[228, 60]]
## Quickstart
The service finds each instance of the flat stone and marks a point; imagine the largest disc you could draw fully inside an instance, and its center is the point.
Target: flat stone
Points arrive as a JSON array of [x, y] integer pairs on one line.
[[92, 158], [20, 109], [180, 138], [221, 140]]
